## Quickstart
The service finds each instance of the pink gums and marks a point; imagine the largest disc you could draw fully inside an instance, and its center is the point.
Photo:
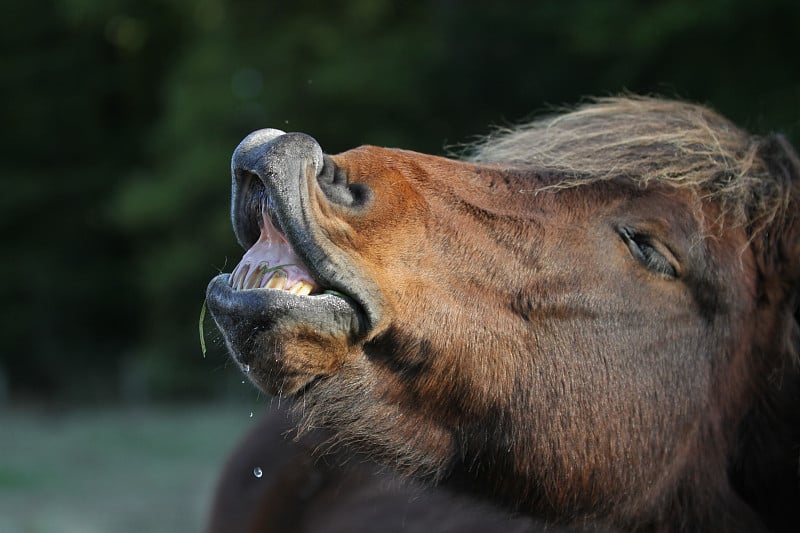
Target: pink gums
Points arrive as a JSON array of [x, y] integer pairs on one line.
[[272, 251]]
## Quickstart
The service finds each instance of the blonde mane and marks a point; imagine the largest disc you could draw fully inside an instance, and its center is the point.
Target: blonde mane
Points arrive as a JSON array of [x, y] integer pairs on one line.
[[647, 140]]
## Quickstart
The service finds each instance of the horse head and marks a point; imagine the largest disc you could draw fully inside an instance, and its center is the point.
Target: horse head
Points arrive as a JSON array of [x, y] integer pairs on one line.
[[590, 317]]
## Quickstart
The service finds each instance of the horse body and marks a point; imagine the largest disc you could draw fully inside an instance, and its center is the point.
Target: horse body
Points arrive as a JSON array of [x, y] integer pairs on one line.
[[592, 319], [299, 491]]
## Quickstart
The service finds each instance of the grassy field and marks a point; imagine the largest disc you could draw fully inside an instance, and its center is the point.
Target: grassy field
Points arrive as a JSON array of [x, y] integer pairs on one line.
[[116, 470]]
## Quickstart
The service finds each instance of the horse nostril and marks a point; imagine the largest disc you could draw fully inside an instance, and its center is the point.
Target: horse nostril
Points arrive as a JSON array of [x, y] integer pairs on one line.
[[335, 184]]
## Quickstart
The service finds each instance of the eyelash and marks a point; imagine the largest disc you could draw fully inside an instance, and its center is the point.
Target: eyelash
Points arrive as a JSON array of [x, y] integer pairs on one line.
[[643, 251]]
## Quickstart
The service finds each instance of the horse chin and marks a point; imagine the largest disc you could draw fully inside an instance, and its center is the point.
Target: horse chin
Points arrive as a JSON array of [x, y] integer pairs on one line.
[[283, 341]]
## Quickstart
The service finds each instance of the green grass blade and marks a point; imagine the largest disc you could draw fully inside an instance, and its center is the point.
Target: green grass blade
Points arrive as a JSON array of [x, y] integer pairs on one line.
[[336, 293], [202, 333]]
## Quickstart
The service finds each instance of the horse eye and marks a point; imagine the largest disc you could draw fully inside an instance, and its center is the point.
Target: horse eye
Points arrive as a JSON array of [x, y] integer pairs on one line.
[[643, 250]]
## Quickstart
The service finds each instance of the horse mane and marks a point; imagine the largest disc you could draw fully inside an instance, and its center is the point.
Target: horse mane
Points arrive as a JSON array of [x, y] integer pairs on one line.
[[647, 140]]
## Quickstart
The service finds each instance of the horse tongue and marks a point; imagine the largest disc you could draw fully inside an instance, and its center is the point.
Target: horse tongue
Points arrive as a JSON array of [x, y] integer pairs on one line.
[[271, 263]]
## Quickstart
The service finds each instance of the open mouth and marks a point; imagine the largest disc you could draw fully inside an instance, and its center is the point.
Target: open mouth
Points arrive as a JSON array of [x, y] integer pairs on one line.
[[271, 262], [293, 287], [271, 284]]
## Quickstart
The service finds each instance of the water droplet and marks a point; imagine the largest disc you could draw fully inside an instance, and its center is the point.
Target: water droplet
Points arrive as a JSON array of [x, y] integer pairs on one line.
[[251, 414], [247, 368], [257, 471], [242, 382]]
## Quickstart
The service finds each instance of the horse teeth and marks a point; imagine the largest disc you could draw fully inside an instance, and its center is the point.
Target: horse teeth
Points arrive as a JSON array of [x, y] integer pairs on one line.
[[254, 278], [239, 275], [235, 273], [276, 281], [247, 276], [301, 288]]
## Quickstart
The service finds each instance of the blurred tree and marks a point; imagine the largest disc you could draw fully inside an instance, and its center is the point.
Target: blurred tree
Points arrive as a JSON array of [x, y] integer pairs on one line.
[[77, 86], [121, 115]]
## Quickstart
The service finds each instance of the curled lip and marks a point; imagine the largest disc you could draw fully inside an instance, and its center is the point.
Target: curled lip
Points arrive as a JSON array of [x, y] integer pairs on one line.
[[274, 171]]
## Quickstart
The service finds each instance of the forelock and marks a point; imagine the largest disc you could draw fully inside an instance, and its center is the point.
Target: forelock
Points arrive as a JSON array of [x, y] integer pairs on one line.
[[646, 140]]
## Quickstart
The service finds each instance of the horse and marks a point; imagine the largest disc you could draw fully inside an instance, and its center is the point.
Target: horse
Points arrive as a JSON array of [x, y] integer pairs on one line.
[[588, 319]]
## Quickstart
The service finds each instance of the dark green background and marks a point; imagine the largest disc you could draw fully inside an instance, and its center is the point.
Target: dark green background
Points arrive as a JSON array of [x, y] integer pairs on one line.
[[119, 117]]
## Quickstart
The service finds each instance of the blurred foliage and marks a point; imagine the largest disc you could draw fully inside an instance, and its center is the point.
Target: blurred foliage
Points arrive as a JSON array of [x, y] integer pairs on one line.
[[120, 116]]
